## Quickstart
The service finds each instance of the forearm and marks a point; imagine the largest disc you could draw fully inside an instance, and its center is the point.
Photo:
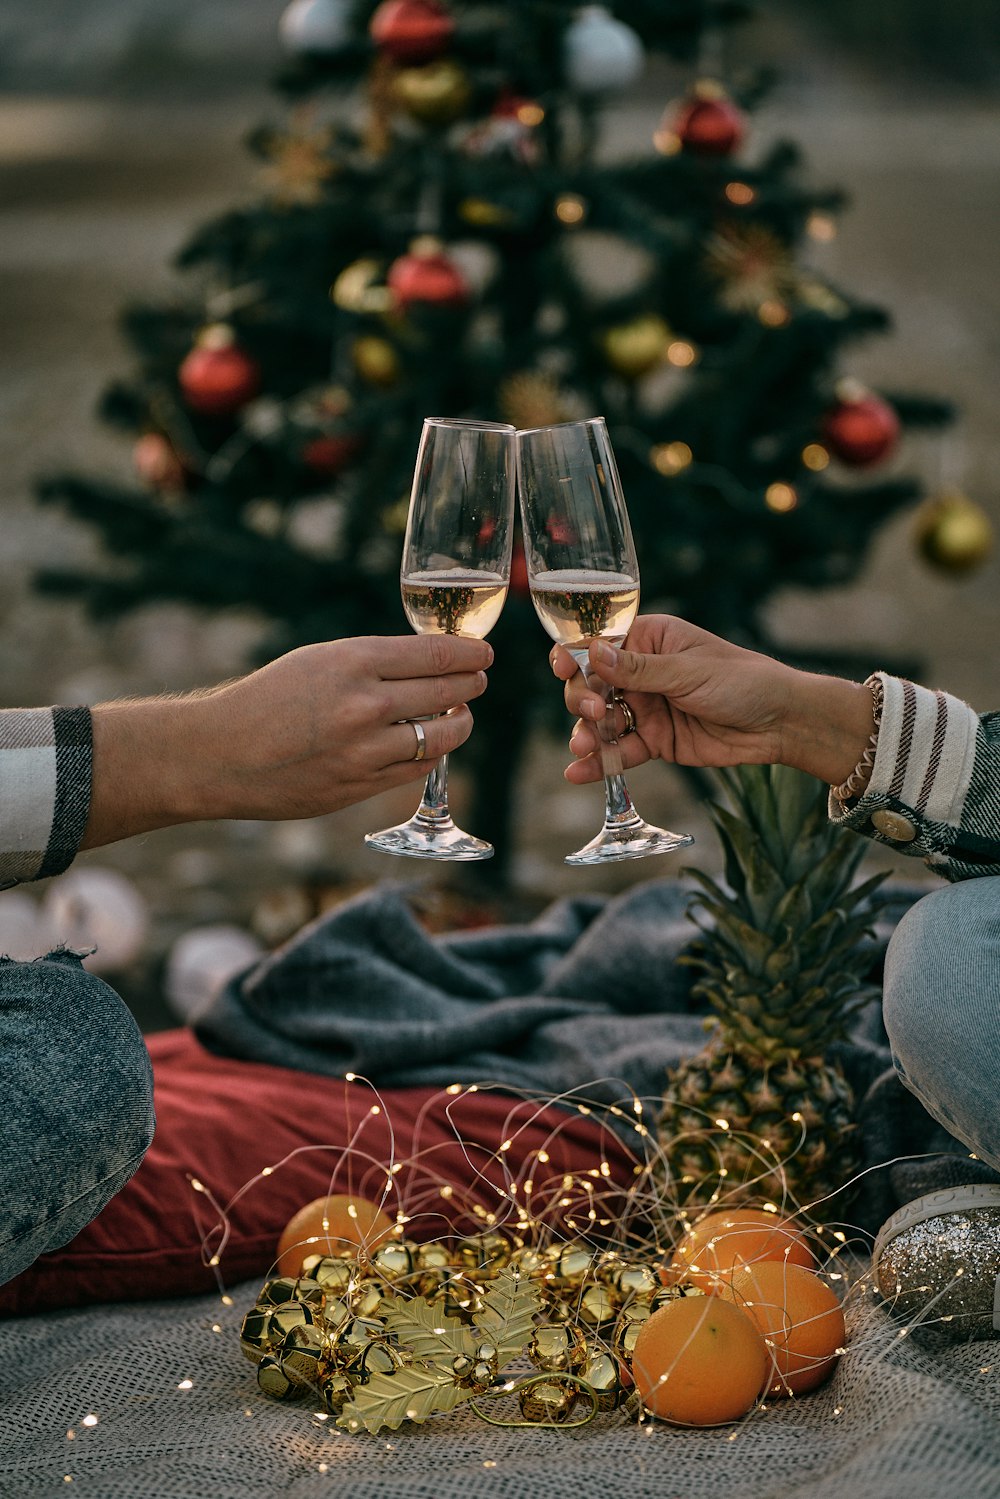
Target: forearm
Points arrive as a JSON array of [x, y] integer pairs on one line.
[[149, 768], [826, 723]]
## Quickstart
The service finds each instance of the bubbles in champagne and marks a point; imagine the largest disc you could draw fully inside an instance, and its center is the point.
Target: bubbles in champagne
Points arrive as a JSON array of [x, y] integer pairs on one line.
[[453, 601], [578, 605]]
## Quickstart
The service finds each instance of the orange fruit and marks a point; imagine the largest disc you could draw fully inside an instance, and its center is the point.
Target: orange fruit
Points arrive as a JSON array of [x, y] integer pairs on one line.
[[330, 1225], [699, 1361], [800, 1318], [720, 1243]]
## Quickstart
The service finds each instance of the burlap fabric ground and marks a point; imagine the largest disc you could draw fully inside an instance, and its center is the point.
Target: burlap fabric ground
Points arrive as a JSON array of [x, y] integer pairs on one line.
[[911, 1425]]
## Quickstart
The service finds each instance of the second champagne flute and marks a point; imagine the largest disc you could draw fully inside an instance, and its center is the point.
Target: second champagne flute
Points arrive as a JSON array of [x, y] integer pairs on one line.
[[453, 578], [584, 581]]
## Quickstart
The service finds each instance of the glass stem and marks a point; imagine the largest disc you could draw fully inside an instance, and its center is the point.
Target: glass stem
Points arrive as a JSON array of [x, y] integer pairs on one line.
[[618, 809], [433, 810]]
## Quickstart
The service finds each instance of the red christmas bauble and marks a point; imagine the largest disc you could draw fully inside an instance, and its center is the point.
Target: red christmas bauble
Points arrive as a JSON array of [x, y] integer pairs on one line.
[[861, 430], [328, 455], [709, 124], [426, 276], [411, 30], [218, 377], [158, 463]]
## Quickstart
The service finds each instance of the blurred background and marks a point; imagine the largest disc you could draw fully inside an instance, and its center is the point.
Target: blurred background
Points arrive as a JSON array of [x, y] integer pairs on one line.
[[122, 127]]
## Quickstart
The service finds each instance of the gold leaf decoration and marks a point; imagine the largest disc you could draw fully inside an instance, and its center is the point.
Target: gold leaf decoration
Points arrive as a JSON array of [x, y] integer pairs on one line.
[[507, 1315], [411, 1394], [427, 1331]]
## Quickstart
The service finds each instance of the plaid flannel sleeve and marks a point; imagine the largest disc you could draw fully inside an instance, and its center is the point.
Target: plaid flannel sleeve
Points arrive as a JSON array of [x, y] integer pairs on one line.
[[45, 779], [934, 790]]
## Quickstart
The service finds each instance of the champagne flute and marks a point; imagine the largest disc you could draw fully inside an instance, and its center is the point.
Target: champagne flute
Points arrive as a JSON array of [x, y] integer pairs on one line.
[[453, 578], [584, 581]]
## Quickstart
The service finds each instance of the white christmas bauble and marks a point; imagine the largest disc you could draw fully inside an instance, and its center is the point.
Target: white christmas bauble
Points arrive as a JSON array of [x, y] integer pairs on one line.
[[602, 53], [315, 25], [201, 961], [24, 932], [99, 909]]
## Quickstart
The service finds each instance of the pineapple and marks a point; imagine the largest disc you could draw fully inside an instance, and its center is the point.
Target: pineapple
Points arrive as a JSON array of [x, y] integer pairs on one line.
[[762, 1114]]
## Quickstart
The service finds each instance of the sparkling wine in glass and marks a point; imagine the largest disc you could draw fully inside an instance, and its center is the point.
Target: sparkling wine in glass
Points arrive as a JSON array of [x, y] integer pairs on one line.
[[453, 579], [584, 580]]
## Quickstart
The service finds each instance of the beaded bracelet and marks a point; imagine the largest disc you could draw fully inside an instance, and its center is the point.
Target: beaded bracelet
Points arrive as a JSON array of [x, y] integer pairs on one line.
[[862, 772]]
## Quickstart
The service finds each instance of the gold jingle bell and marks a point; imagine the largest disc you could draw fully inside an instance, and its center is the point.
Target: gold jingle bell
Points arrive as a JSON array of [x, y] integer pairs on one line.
[[254, 1339], [558, 1348], [331, 1273], [302, 1355], [549, 1402], [597, 1304], [484, 1255], [634, 1282], [310, 1292], [283, 1318], [570, 1265], [393, 1260], [273, 1381], [628, 1327], [278, 1291], [378, 1357], [337, 1389], [365, 1299], [609, 1380]]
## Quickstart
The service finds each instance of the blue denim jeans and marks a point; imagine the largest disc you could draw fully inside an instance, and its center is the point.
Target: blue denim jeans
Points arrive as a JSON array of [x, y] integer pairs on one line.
[[76, 1116], [942, 1009]]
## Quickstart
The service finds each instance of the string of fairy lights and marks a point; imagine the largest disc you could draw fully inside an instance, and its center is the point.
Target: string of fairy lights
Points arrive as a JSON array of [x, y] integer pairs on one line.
[[579, 1254]]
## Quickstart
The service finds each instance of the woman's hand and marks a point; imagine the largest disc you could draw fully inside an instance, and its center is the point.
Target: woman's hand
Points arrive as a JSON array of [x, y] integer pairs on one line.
[[314, 731], [699, 700]]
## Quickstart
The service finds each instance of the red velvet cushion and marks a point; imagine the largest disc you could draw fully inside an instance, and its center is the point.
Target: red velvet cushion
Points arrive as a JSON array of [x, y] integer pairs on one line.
[[222, 1121]]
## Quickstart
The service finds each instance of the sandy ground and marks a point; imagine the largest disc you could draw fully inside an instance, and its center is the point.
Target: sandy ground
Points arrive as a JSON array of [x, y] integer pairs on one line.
[[102, 178]]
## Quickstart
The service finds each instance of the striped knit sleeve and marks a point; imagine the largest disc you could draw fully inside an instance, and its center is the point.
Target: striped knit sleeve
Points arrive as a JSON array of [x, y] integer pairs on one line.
[[934, 790], [45, 778]]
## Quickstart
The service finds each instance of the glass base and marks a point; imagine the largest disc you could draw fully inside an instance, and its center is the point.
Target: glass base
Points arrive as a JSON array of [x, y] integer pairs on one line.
[[633, 840], [420, 839]]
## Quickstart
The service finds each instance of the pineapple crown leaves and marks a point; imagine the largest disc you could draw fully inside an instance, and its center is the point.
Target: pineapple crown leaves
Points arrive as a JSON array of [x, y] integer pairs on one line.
[[782, 948]]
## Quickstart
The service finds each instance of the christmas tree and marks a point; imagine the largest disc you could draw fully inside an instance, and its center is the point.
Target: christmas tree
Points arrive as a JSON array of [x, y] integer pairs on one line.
[[434, 202]]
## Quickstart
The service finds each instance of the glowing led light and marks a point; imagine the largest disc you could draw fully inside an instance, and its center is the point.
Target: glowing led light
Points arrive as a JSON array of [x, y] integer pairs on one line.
[[374, 1109], [488, 1461], [740, 193], [780, 498], [350, 1077], [214, 1260], [530, 114], [821, 226], [70, 1435], [722, 1123], [266, 1170], [186, 1384], [196, 1185], [90, 1420], [681, 353], [815, 457], [797, 1117], [543, 1156], [773, 314], [570, 209], [453, 1088], [506, 1145], [226, 1300], [446, 1192]]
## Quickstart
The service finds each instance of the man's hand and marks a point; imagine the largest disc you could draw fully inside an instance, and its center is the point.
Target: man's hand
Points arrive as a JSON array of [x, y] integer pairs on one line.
[[314, 731]]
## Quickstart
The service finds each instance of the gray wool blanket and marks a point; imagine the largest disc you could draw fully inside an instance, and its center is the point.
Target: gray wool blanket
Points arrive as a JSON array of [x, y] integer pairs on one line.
[[589, 999]]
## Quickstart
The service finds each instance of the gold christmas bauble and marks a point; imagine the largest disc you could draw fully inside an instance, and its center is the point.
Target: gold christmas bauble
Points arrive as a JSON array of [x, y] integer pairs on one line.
[[531, 398], [375, 360], [482, 214], [636, 347], [359, 287], [952, 532], [436, 94]]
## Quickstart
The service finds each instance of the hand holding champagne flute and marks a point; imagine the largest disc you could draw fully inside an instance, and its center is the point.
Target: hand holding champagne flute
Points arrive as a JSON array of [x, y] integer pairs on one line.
[[584, 579], [453, 580]]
